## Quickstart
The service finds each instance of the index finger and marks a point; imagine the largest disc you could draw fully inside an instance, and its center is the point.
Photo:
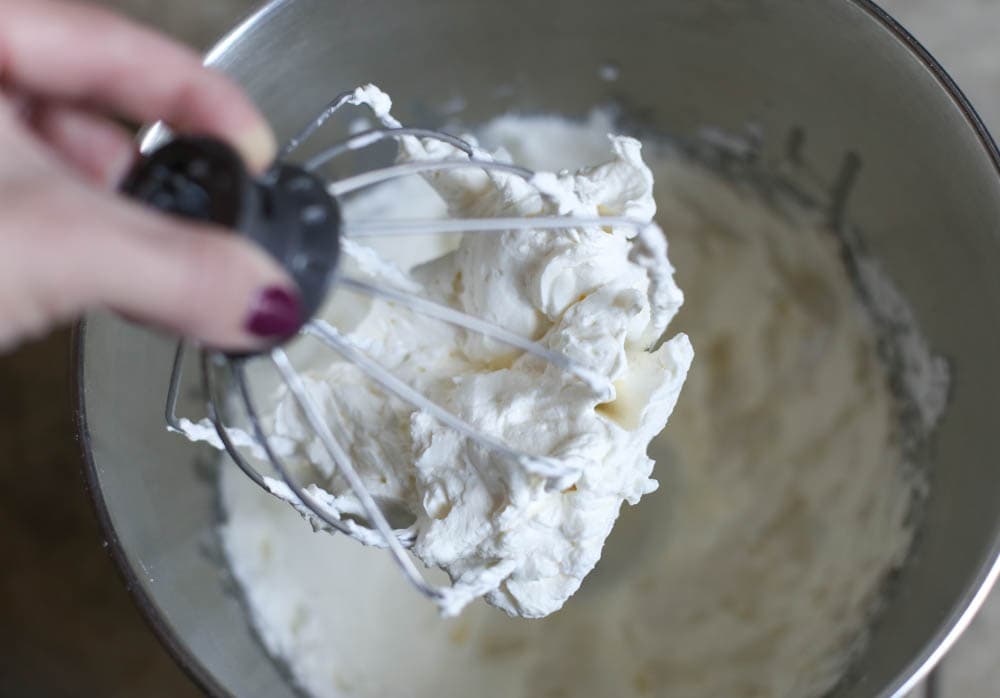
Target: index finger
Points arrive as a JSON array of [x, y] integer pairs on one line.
[[81, 53]]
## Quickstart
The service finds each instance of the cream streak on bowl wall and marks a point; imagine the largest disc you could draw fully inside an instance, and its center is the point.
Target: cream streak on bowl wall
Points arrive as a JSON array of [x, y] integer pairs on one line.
[[752, 571]]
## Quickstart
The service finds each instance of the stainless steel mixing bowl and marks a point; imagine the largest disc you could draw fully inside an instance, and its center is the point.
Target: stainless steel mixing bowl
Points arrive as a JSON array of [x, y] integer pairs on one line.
[[928, 200]]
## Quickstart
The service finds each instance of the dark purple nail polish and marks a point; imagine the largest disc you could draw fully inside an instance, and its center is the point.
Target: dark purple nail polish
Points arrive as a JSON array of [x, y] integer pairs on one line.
[[276, 313]]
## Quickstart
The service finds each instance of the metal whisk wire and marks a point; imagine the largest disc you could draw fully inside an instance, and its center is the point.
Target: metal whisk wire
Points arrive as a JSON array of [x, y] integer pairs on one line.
[[380, 532]]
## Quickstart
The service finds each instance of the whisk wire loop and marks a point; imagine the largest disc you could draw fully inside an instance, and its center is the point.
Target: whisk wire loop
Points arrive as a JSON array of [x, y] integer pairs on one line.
[[174, 387], [403, 228], [595, 381], [332, 107], [214, 406], [371, 136], [336, 453], [357, 182], [537, 465]]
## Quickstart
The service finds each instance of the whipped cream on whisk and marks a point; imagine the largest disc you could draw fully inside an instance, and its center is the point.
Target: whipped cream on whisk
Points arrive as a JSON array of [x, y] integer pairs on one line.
[[601, 296]]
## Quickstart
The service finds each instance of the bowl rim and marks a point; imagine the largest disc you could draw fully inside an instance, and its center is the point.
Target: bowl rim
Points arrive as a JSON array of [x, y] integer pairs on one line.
[[922, 665]]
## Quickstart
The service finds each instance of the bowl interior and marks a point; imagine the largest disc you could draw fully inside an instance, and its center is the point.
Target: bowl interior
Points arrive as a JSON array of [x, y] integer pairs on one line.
[[821, 83]]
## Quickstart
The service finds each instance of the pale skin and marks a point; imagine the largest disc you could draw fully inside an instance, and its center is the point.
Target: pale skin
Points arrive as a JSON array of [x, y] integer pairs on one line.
[[69, 74]]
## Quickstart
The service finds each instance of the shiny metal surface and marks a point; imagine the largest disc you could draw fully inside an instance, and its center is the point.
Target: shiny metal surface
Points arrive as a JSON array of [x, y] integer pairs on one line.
[[824, 82]]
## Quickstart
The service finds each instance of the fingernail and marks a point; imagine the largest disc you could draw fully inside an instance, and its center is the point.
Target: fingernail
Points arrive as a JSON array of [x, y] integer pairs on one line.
[[259, 147], [276, 313]]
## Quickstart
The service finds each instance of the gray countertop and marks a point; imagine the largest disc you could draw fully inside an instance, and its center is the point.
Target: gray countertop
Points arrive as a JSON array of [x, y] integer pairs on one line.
[[70, 629]]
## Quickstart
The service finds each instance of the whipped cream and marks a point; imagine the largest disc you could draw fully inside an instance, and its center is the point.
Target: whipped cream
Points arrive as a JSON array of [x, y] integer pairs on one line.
[[601, 296], [753, 571]]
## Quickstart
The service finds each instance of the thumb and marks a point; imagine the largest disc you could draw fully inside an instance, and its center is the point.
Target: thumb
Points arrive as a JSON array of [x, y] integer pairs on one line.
[[196, 280]]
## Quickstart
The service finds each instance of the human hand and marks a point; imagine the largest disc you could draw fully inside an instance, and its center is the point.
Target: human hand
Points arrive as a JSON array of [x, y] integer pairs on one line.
[[68, 242]]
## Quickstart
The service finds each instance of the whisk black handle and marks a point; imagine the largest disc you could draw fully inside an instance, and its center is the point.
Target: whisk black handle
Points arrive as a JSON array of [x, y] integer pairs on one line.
[[287, 211]]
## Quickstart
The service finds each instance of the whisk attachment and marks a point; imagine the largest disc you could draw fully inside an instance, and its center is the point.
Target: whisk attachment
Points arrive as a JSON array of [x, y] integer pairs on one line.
[[294, 214]]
